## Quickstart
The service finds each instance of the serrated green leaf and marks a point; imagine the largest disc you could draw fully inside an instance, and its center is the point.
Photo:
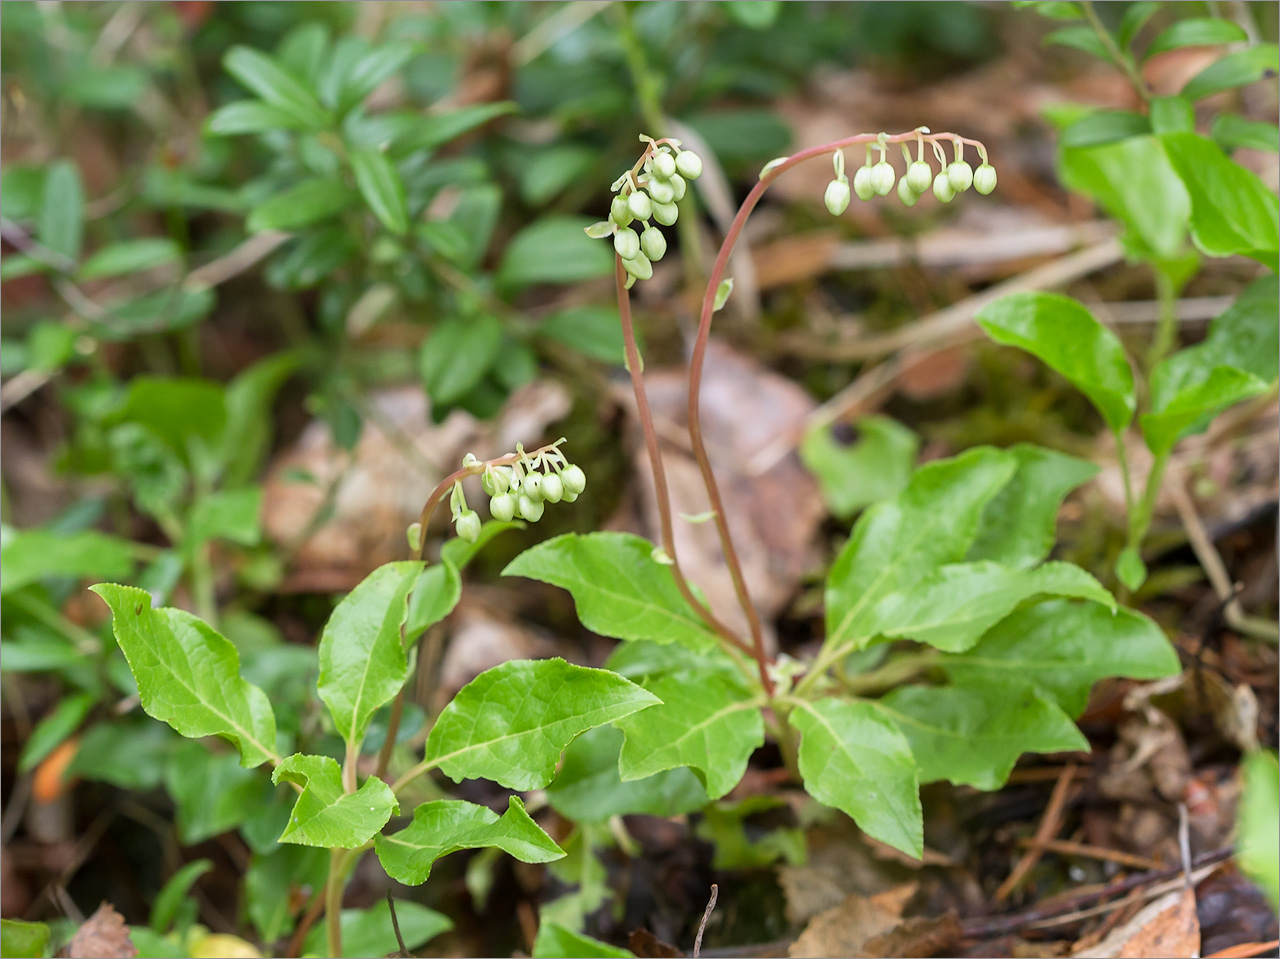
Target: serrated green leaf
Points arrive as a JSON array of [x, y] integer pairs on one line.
[[709, 721], [1195, 32], [54, 729], [1256, 826], [30, 555], [456, 356], [898, 542], [446, 826], [1064, 648], [555, 941], [875, 467], [21, 938], [301, 205], [1236, 69], [129, 256], [382, 189], [362, 660], [368, 932], [188, 674], [554, 250], [954, 605], [266, 78], [973, 735], [589, 789], [511, 722], [1063, 334], [60, 222], [326, 816], [1018, 526], [253, 116], [617, 587], [856, 760], [1181, 399], [1232, 211]]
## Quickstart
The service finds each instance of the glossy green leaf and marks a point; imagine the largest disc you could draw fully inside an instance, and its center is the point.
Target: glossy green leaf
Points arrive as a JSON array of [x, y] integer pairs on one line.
[[1258, 850], [1079, 38], [1174, 114], [876, 466], [213, 793], [1134, 182], [165, 908], [1233, 132], [188, 674], [434, 596], [1246, 335], [511, 722], [1183, 396], [554, 250], [457, 354], [594, 331], [19, 938], [368, 932], [754, 14], [446, 826], [973, 735], [60, 222], [619, 589], [898, 542], [855, 759], [253, 116], [324, 814], [21, 190], [372, 69], [362, 660], [954, 605], [382, 189], [1196, 32], [1134, 19], [54, 729], [1104, 126], [555, 941], [270, 881], [1018, 527], [1064, 648], [264, 77], [230, 514], [1236, 69], [308, 202], [439, 128], [30, 555], [129, 256], [1232, 211], [248, 400], [709, 721], [584, 872], [1063, 334], [589, 789]]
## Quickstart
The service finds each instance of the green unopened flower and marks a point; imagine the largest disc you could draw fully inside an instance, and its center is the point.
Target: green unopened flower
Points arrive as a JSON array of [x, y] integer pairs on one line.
[[689, 165], [678, 187], [639, 266], [883, 177], [653, 244], [627, 243], [552, 488], [919, 176], [531, 509], [494, 481], [666, 213], [639, 205], [532, 486], [837, 196], [468, 526], [942, 188], [503, 507], [862, 184], [961, 176], [619, 211], [984, 179], [907, 195], [664, 166], [661, 191], [575, 481]]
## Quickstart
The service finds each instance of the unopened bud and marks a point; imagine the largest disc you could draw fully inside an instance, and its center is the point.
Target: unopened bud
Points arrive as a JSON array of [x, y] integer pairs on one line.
[[627, 243], [532, 486], [961, 176], [530, 509], [883, 177], [984, 179], [661, 191], [639, 266], [639, 206], [919, 176], [689, 165], [678, 187], [862, 184], [907, 195], [837, 196], [619, 211], [666, 213], [575, 481], [503, 507], [468, 526], [664, 166], [552, 488], [653, 244], [942, 188]]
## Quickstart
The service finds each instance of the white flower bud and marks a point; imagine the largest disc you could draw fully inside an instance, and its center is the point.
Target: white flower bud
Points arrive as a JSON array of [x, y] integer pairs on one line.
[[569, 497], [532, 486], [653, 244], [664, 166], [907, 195], [530, 509], [661, 191], [678, 187], [862, 183], [883, 177], [639, 206], [984, 179], [666, 213], [919, 176], [575, 481], [639, 266], [552, 488], [619, 212], [689, 165], [468, 526], [627, 243], [494, 481], [837, 197], [961, 176], [503, 507], [942, 188]]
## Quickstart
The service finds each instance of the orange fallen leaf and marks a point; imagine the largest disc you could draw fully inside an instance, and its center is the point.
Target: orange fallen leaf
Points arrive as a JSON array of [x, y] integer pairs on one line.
[[1246, 950], [50, 782]]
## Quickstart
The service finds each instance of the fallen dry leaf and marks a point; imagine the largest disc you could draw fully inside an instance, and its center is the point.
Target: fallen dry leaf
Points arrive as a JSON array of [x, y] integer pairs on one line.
[[918, 936], [845, 929], [1168, 926], [104, 934]]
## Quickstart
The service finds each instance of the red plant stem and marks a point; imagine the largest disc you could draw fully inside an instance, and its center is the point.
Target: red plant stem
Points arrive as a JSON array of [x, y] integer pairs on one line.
[[660, 475], [698, 359]]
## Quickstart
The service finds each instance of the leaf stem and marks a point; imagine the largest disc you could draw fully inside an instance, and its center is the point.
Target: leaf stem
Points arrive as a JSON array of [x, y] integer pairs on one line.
[[1118, 56], [333, 899], [1167, 325]]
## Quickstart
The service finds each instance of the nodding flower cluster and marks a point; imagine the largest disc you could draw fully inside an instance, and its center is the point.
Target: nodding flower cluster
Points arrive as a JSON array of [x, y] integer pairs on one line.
[[877, 179], [650, 190], [519, 490]]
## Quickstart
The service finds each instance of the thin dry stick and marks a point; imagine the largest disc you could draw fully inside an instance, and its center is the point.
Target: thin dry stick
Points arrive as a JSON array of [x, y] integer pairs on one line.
[[305, 923], [1048, 827], [1068, 848], [395, 926], [1151, 892], [702, 926]]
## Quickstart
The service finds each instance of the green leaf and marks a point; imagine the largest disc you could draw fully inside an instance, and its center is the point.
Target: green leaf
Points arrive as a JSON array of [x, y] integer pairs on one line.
[[1134, 182], [130, 754], [707, 720], [1063, 334], [264, 77], [898, 542], [1018, 527], [31, 555], [247, 401], [230, 514], [456, 356], [875, 467], [1053, 9], [437, 129], [368, 932], [212, 791], [856, 760], [973, 735], [582, 868], [188, 674], [724, 825], [618, 588], [382, 189], [1064, 648], [189, 415], [554, 250], [1245, 335], [1232, 211], [129, 256], [270, 883], [434, 596], [594, 331], [21, 938], [473, 221], [54, 729], [306, 203], [589, 789], [446, 826], [21, 191], [1196, 32], [545, 174], [1135, 18], [1234, 70], [954, 605], [362, 661], [1256, 826], [371, 70], [1173, 114], [1104, 126], [753, 14], [555, 941], [1233, 132], [1182, 397], [253, 116], [60, 223], [1080, 38], [326, 816], [511, 722], [165, 908]]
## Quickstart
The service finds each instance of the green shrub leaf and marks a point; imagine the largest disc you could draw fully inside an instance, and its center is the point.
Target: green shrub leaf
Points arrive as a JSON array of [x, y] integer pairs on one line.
[[1236, 69], [1256, 827], [554, 250], [1180, 399], [306, 203], [324, 814], [382, 189], [30, 555], [368, 932], [21, 938], [266, 78], [446, 826], [253, 116], [60, 222], [511, 723], [555, 941], [877, 466], [129, 256], [1196, 32], [456, 356]]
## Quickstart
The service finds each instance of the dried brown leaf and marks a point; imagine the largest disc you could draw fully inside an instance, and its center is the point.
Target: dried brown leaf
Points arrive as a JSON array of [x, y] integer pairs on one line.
[[103, 935]]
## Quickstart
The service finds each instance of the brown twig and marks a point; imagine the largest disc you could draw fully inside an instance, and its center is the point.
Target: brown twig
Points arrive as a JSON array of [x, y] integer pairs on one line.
[[702, 926], [314, 909], [395, 926], [1049, 826], [1068, 848]]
